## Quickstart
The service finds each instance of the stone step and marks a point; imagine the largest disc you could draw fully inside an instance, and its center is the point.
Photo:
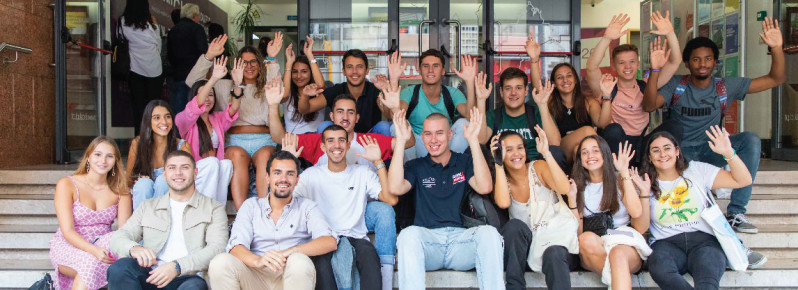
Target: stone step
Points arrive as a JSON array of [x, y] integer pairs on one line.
[[49, 175], [775, 273], [15, 189]]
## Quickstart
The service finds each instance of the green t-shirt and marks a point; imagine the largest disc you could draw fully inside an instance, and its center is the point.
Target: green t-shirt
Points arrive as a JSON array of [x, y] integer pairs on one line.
[[424, 108], [520, 125]]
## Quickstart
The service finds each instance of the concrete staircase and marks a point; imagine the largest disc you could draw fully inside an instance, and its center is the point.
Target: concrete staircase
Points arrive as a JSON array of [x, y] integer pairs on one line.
[[27, 222]]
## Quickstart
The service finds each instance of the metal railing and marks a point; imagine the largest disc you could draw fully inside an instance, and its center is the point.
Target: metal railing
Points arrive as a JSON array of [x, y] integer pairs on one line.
[[16, 49]]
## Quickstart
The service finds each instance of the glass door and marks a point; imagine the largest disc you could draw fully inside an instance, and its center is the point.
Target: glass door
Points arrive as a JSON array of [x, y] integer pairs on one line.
[[785, 97]]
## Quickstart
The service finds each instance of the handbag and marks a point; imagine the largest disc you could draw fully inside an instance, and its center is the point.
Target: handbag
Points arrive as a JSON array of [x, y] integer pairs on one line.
[[598, 223], [736, 253], [46, 283], [120, 59]]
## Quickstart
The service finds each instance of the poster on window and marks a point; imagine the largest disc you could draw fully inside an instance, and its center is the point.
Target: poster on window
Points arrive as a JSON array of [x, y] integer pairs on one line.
[[732, 31], [717, 32]]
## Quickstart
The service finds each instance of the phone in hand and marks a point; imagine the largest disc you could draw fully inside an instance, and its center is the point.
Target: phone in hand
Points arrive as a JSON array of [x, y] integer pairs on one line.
[[497, 154]]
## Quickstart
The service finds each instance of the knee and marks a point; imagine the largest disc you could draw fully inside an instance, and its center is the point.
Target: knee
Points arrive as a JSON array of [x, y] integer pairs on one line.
[[619, 255], [194, 283], [221, 265], [590, 244], [613, 130], [554, 255], [300, 264], [262, 155], [458, 125], [489, 235], [143, 183], [383, 212], [382, 127], [748, 139], [120, 267], [209, 163], [513, 229], [409, 238], [236, 154]]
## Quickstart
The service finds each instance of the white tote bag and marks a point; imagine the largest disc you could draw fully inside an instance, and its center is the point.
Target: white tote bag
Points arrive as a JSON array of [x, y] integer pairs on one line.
[[736, 254]]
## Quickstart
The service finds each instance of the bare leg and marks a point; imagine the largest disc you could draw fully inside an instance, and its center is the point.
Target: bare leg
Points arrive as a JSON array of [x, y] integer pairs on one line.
[[77, 284], [239, 185], [591, 252], [260, 159], [624, 260], [571, 141]]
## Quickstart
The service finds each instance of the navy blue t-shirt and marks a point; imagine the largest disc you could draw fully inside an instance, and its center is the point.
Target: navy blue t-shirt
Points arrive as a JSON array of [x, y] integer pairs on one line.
[[439, 189], [366, 104]]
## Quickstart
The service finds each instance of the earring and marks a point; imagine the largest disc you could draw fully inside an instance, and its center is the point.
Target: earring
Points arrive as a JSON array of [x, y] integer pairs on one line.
[[87, 167], [112, 173]]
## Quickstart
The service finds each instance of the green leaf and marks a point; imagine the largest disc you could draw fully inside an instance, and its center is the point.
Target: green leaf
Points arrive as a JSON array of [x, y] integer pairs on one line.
[[663, 214], [681, 216]]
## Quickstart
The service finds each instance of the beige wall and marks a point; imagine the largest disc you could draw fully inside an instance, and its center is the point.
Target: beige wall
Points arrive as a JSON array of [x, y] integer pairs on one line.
[[27, 102]]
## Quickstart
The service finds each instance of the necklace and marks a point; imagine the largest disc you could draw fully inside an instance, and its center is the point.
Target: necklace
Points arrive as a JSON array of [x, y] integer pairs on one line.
[[569, 111]]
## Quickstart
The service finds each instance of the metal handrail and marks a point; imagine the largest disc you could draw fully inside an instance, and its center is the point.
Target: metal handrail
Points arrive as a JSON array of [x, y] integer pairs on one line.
[[17, 49]]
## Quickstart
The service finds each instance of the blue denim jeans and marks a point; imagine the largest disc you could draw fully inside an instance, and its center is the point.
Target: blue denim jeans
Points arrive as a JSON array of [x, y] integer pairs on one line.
[[748, 147], [178, 96], [383, 127], [458, 143], [697, 253], [381, 220], [355, 263], [146, 188], [453, 248], [126, 273]]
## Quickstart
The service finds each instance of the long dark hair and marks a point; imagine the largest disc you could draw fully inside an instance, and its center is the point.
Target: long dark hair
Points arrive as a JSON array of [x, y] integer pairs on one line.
[[144, 152], [556, 103], [261, 80], [294, 99], [609, 198], [648, 167], [137, 14], [205, 143]]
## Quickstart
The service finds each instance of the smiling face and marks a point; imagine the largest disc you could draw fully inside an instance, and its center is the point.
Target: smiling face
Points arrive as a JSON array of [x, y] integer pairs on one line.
[[179, 172], [344, 114], [102, 159], [564, 79], [514, 152], [335, 144], [355, 70], [161, 121], [431, 70], [436, 135], [663, 153], [210, 101], [282, 177], [514, 92], [590, 155], [251, 66], [701, 63], [300, 74], [626, 65]]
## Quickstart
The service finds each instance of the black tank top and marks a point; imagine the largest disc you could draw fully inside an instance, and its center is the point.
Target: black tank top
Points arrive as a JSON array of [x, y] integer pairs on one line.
[[568, 122]]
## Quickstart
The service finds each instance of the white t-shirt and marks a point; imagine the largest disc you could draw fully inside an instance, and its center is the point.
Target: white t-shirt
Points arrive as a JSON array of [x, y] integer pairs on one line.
[[341, 196], [175, 246], [300, 126], [351, 155], [593, 194], [145, 50], [678, 209]]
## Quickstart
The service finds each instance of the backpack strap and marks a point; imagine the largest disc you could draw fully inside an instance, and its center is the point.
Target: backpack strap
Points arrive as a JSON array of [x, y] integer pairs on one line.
[[445, 95], [683, 83], [640, 84], [497, 119], [413, 100], [720, 88], [530, 119]]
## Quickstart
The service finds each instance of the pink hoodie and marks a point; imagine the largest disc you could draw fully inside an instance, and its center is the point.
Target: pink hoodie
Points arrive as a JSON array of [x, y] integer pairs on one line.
[[186, 122]]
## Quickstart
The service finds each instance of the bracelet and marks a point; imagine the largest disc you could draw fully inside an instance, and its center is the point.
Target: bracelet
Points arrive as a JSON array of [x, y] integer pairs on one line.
[[206, 58], [313, 60], [624, 178], [232, 92], [381, 166], [530, 60], [571, 207], [241, 86], [656, 70], [288, 69], [644, 196], [734, 154], [271, 58]]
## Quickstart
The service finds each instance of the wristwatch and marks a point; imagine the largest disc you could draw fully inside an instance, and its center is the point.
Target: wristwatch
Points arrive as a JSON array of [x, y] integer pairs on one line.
[[177, 268], [606, 98], [313, 60], [233, 93]]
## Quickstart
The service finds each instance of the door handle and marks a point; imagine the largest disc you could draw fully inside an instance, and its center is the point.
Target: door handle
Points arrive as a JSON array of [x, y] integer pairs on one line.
[[420, 26], [459, 40]]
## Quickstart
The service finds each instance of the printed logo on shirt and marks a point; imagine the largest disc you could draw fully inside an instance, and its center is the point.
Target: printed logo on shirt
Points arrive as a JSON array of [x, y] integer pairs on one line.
[[428, 182], [457, 178], [351, 188], [677, 206]]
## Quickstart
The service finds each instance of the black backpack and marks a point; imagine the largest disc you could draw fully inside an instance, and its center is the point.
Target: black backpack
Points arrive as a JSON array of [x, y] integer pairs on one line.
[[120, 59], [640, 84], [447, 101], [478, 209], [530, 119]]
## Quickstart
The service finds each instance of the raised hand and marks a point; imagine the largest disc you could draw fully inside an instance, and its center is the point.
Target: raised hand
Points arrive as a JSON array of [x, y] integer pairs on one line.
[[274, 91], [390, 97], [290, 143], [532, 46], [373, 152], [719, 141], [643, 184], [471, 130], [541, 95], [381, 82], [483, 93], [659, 52], [216, 47], [572, 191], [615, 28], [402, 127], [219, 68], [238, 71], [395, 65], [607, 84], [308, 48], [771, 33], [541, 142], [312, 90], [625, 154], [663, 24], [468, 67], [290, 56], [274, 46], [494, 144]]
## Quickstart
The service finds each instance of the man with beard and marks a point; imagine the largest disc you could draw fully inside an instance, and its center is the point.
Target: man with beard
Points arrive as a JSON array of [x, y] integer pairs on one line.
[[438, 239], [365, 93], [342, 191], [169, 239], [380, 217], [699, 101], [276, 239]]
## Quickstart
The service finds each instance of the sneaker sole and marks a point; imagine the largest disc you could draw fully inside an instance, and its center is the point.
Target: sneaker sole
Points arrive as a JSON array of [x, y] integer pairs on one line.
[[746, 231], [758, 265]]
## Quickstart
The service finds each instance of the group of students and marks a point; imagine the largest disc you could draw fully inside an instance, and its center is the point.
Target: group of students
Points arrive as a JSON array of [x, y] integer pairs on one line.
[[308, 228]]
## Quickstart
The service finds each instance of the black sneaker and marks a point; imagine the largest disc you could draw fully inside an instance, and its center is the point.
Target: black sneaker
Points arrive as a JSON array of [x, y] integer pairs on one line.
[[741, 224], [755, 259]]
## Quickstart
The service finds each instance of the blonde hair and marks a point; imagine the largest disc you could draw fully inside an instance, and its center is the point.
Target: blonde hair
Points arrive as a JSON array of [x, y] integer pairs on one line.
[[188, 10], [117, 181]]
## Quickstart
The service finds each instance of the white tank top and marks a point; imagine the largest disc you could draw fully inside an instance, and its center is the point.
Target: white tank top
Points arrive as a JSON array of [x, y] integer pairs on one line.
[[593, 193]]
